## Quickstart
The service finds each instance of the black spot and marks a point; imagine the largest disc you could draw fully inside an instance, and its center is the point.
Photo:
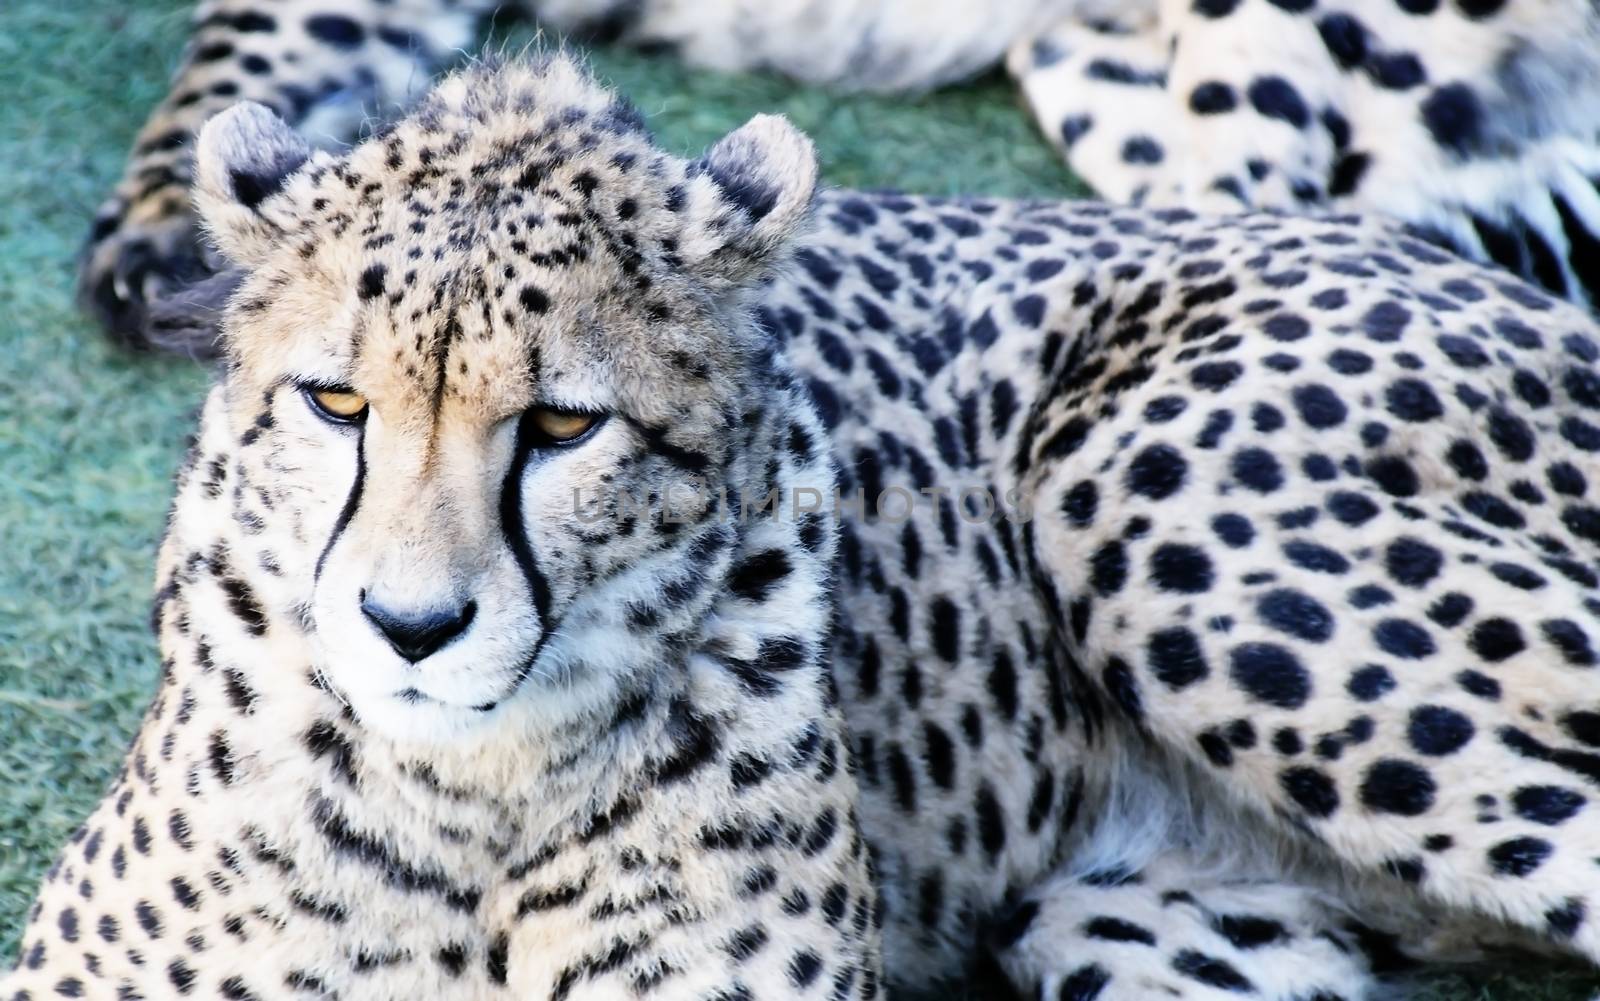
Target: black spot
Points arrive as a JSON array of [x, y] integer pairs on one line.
[[1398, 787], [1566, 479], [1451, 609], [991, 822], [1438, 730], [1491, 509], [339, 32], [1345, 39], [1247, 931], [1563, 921], [1157, 472], [1213, 98], [1394, 476], [1583, 521], [1568, 637], [1088, 981], [1511, 435], [1478, 684], [182, 976], [1519, 856], [1073, 128], [1407, 870], [1118, 930], [1412, 562], [1257, 469], [498, 955], [1467, 460], [756, 576], [1352, 509], [1287, 742], [1108, 569], [1404, 639], [1412, 400], [1182, 569], [1346, 361], [1584, 727], [1080, 503], [1466, 353], [1142, 150], [1216, 748], [1348, 173], [372, 282], [1396, 70], [1297, 614], [1318, 406], [1271, 674], [1211, 971], [1113, 71], [533, 299], [1386, 321], [1275, 97], [1453, 115], [1548, 805], [149, 918], [1519, 577], [946, 628], [1234, 530], [1175, 658], [1496, 639], [67, 922], [1311, 789], [1315, 557], [1165, 408], [1215, 376]]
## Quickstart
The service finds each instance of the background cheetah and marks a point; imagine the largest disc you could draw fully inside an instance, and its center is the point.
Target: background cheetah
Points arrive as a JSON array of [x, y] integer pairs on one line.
[[1283, 660], [1473, 121]]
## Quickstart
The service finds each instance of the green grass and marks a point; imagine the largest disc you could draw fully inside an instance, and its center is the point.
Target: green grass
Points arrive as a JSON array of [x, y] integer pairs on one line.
[[89, 435]]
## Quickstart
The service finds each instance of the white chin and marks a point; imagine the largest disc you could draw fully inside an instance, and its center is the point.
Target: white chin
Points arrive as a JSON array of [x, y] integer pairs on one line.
[[423, 721]]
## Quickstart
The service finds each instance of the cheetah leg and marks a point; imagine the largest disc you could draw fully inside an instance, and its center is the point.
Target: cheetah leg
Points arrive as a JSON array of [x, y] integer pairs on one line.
[[325, 69], [1484, 146], [1172, 932], [1080, 80]]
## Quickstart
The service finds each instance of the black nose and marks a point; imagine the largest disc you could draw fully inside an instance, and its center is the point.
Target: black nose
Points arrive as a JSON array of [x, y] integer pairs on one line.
[[415, 635]]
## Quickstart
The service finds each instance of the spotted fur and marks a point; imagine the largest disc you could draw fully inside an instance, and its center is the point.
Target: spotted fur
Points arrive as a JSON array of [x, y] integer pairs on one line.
[[1472, 121], [1103, 601]]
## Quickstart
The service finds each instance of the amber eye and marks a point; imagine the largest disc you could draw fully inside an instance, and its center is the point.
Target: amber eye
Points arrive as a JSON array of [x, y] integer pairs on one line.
[[562, 425], [343, 405]]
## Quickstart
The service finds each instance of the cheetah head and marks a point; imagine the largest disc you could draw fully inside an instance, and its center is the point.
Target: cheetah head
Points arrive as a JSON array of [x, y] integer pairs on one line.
[[459, 357]]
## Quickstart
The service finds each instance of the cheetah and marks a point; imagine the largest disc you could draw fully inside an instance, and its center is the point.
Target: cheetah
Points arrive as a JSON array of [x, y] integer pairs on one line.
[[601, 574], [1474, 122]]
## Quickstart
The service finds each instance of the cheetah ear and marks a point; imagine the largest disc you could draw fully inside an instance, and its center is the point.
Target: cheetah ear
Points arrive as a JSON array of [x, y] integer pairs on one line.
[[750, 197], [244, 157]]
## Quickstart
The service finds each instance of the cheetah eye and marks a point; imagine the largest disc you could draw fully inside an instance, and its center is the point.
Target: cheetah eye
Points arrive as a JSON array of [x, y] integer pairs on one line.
[[342, 406], [562, 427]]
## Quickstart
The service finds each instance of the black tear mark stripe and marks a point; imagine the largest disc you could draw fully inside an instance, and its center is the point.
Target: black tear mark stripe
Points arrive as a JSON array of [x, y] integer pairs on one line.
[[513, 529], [400, 873], [515, 534], [351, 503]]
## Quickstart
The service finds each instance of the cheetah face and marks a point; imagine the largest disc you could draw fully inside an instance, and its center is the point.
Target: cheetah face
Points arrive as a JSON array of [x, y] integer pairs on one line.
[[462, 361]]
